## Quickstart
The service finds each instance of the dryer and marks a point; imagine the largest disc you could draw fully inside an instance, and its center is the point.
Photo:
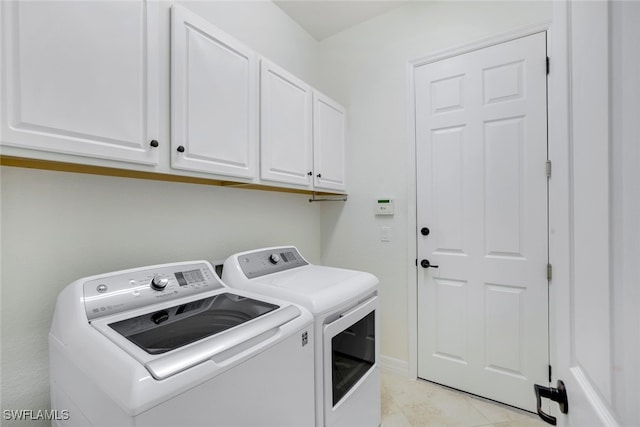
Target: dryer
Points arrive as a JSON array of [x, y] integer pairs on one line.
[[170, 345], [344, 304]]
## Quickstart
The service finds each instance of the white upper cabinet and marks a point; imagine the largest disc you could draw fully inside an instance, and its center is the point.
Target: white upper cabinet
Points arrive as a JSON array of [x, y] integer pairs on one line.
[[285, 127], [81, 77], [214, 102], [88, 82], [328, 144], [302, 138]]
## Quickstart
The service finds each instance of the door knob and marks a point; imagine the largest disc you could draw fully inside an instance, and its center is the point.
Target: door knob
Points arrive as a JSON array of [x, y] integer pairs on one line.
[[425, 231], [558, 394], [426, 264]]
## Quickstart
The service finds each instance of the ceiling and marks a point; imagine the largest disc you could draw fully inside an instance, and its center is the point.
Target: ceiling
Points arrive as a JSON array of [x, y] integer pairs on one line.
[[324, 18]]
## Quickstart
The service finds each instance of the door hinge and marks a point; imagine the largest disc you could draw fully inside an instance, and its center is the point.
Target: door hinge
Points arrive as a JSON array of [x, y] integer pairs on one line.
[[548, 64], [549, 272], [548, 168], [549, 373]]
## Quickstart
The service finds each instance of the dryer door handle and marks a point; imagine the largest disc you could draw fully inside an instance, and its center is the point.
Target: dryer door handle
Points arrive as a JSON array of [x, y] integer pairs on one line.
[[350, 317]]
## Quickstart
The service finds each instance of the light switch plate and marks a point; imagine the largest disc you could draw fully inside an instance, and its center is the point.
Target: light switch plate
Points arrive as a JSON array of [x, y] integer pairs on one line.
[[385, 234]]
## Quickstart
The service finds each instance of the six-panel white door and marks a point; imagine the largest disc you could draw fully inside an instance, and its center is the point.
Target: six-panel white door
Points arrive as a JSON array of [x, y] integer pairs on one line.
[[214, 104], [482, 193], [82, 78]]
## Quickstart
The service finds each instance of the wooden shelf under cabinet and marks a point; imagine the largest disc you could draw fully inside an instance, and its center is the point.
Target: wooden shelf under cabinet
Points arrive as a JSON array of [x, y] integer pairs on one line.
[[23, 162]]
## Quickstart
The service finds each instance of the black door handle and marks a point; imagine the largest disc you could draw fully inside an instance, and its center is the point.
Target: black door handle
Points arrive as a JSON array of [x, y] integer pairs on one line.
[[426, 264], [558, 394], [425, 231]]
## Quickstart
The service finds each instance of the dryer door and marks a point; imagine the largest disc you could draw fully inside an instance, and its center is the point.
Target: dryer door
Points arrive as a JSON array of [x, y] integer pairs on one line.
[[351, 377]]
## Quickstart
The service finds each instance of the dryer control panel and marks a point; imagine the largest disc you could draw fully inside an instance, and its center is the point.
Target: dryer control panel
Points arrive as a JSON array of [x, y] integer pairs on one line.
[[126, 290], [269, 261]]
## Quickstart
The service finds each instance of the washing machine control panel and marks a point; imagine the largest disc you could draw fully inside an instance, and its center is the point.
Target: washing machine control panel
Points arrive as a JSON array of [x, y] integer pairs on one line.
[[268, 261], [125, 291]]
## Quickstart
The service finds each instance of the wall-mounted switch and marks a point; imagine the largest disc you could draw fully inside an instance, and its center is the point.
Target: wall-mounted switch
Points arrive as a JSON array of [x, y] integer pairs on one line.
[[385, 234]]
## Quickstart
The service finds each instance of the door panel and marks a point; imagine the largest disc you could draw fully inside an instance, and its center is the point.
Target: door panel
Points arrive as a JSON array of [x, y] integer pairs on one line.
[[214, 84], [503, 204], [286, 145], [451, 306], [447, 187], [482, 191], [81, 78], [328, 144]]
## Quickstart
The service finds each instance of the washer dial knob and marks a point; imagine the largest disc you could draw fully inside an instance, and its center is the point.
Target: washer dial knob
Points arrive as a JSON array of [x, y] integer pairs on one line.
[[159, 283], [274, 258]]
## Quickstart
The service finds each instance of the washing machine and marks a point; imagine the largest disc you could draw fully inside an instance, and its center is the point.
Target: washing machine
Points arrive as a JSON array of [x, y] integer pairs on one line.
[[171, 345], [344, 304]]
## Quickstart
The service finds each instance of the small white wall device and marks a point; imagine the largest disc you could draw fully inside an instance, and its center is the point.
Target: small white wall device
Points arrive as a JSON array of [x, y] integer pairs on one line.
[[384, 207]]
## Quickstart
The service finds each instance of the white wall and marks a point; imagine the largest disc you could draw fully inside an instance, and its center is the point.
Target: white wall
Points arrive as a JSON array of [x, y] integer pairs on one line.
[[266, 29], [366, 69], [57, 227]]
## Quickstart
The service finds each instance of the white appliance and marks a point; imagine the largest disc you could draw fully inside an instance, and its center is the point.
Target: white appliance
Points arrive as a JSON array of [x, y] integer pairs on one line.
[[170, 345], [344, 304]]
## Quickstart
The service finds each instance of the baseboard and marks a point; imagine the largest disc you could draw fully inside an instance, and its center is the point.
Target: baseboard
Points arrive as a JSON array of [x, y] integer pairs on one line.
[[393, 365]]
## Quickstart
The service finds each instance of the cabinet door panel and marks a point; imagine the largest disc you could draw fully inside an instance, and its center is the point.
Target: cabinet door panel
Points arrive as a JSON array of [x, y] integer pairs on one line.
[[81, 78], [286, 132], [328, 144], [214, 99]]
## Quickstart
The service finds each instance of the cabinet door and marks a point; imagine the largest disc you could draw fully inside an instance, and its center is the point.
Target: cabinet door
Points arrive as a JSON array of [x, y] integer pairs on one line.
[[328, 144], [81, 78], [285, 125], [214, 101]]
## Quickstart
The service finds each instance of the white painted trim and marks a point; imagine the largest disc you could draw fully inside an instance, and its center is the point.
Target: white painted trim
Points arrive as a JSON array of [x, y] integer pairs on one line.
[[605, 418], [560, 184], [393, 365], [412, 253], [412, 228], [481, 44]]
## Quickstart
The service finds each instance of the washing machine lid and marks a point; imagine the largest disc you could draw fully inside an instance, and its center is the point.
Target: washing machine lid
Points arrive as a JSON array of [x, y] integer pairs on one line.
[[171, 346], [174, 327]]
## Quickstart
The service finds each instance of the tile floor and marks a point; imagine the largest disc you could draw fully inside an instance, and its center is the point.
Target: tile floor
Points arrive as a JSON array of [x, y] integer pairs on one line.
[[408, 403]]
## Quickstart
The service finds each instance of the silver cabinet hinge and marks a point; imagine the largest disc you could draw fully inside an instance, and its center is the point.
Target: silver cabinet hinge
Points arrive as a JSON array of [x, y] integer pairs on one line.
[[549, 272], [548, 168]]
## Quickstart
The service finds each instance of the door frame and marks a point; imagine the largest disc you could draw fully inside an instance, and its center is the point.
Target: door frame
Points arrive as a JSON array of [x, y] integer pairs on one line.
[[412, 222]]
